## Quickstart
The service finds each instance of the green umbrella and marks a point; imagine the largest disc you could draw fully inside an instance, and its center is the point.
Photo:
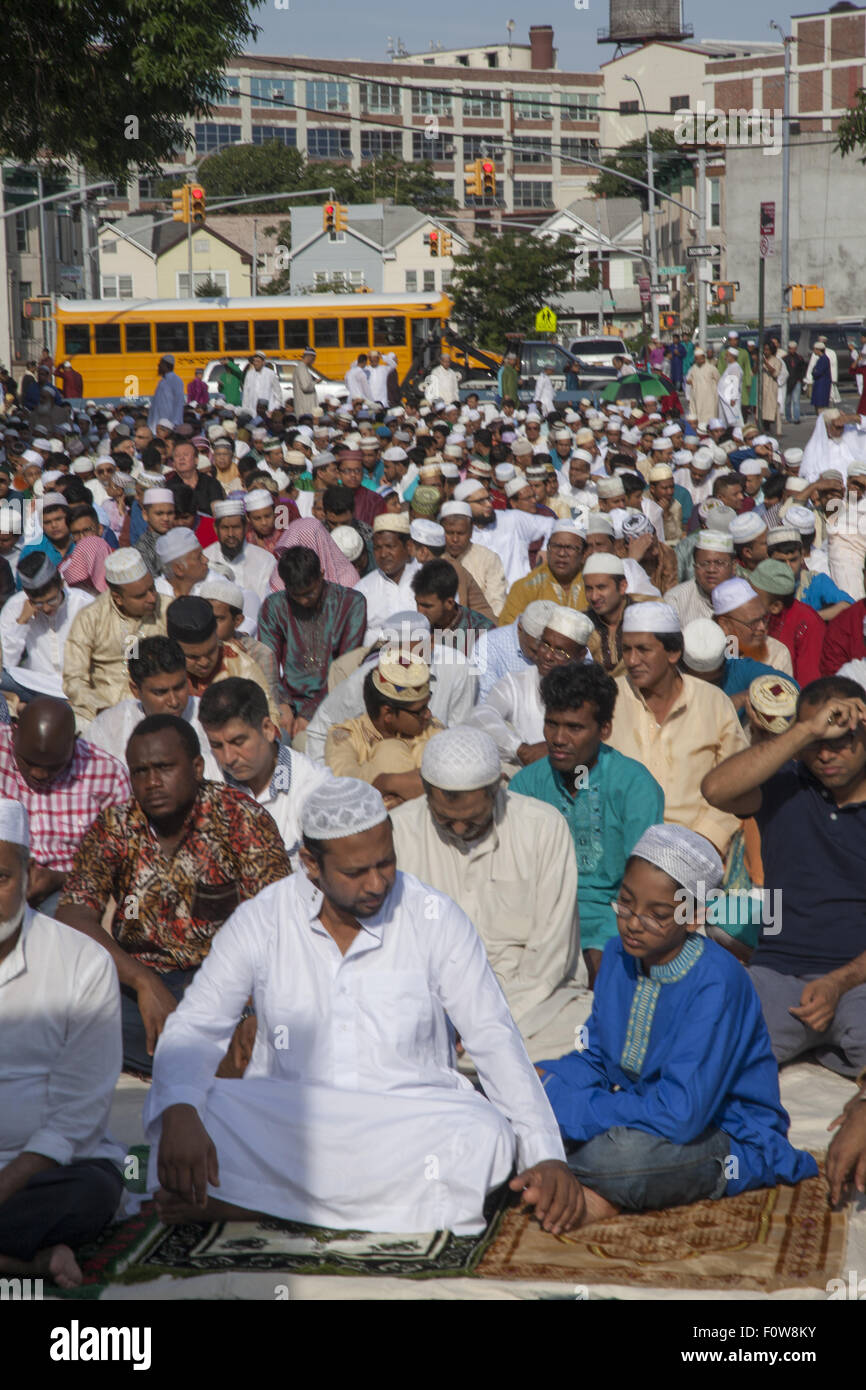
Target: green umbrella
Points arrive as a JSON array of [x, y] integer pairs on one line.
[[635, 388]]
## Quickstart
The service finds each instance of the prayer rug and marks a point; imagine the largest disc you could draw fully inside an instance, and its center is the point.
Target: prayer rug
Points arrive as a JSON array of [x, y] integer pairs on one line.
[[775, 1238]]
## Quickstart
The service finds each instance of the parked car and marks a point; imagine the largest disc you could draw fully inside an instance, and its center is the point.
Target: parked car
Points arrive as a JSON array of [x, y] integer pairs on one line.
[[598, 351], [285, 368]]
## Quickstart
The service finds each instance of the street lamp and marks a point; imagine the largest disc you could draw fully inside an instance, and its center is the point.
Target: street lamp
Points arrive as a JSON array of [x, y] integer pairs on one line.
[[654, 264]]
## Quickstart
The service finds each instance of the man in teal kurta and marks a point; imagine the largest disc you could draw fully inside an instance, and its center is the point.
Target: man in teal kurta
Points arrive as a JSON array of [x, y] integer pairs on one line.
[[609, 800]]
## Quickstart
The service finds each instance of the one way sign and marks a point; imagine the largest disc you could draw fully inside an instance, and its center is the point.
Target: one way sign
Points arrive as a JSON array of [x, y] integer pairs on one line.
[[699, 252]]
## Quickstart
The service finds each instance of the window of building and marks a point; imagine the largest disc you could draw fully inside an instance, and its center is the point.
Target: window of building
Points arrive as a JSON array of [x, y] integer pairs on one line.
[[389, 332], [356, 333], [109, 246], [533, 106], [205, 337], [328, 96], [680, 103], [268, 89], [116, 286], [285, 134], [532, 150], [580, 106], [202, 246], [429, 281], [629, 108], [441, 147], [172, 337], [492, 60], [411, 281], [377, 143], [446, 277], [149, 187], [379, 98], [482, 103], [535, 193], [21, 231], [199, 278], [482, 147], [463, 60], [327, 142], [431, 101], [106, 337], [138, 337], [579, 148], [215, 135], [715, 202]]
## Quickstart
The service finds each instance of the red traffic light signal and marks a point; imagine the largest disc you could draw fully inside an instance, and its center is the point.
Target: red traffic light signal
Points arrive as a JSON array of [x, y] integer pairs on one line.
[[196, 192], [434, 243]]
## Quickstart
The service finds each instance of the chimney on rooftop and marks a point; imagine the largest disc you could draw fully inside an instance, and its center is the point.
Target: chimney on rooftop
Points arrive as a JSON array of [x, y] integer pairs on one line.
[[541, 45]]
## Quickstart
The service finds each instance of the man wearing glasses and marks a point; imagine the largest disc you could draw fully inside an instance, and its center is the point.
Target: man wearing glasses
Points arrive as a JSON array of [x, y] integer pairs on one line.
[[34, 625], [558, 579], [714, 563], [742, 615]]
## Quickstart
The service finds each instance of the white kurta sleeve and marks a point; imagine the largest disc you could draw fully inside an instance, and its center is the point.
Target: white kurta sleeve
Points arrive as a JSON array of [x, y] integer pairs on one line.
[[495, 715], [550, 955], [13, 635], [473, 1000]]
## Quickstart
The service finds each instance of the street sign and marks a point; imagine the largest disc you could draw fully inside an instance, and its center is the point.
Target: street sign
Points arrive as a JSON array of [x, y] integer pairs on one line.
[[768, 230], [665, 271], [643, 284], [697, 252], [545, 320], [658, 289]]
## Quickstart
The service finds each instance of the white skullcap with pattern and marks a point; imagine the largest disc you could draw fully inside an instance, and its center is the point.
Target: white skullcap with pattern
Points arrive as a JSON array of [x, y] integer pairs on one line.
[[534, 617], [340, 807], [15, 823], [461, 759], [687, 857]]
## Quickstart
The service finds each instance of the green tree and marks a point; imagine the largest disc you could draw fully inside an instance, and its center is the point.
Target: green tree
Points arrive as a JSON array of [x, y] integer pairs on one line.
[[209, 289], [111, 84], [502, 281], [672, 168], [242, 171], [851, 131]]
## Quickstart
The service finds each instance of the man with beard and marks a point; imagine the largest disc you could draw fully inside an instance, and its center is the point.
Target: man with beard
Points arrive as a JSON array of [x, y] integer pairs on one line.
[[743, 617], [251, 565]]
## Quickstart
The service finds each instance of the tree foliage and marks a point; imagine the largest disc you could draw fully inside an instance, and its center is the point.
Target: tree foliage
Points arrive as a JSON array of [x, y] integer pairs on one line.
[[110, 84], [499, 285], [851, 131], [671, 168]]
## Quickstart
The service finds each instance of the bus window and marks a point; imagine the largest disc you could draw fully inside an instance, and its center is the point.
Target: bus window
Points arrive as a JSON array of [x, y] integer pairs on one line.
[[296, 334], [356, 333], [236, 333], [266, 334], [326, 333], [138, 337], [389, 332], [206, 337], [77, 338], [106, 337], [172, 337]]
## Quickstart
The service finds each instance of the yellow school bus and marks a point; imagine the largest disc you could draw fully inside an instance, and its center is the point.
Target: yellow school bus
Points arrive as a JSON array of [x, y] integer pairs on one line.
[[116, 343]]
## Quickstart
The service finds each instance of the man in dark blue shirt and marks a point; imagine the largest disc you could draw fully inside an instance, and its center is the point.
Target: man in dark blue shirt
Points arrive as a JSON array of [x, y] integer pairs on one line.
[[807, 791]]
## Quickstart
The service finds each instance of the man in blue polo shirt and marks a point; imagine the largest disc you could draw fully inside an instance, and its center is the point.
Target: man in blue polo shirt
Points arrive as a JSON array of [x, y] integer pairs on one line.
[[807, 791]]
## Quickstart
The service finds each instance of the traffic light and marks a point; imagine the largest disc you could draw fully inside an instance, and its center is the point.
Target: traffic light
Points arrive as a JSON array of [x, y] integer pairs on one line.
[[669, 320], [445, 244], [432, 240], [723, 292], [341, 217], [488, 178], [180, 204], [474, 180], [814, 295], [197, 212], [329, 217]]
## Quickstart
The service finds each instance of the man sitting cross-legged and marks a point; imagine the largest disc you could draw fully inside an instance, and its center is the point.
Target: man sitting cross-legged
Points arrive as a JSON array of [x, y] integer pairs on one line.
[[674, 1096], [351, 1090], [60, 1021]]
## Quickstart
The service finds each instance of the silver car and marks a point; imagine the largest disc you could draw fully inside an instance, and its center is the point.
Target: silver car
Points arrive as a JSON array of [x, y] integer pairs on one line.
[[285, 369]]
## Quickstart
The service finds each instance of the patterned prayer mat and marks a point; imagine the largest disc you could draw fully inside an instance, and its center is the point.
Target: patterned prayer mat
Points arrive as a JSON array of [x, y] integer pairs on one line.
[[776, 1238]]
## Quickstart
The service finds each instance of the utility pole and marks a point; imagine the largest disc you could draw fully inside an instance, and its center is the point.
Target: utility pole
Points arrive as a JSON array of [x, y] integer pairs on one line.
[[255, 276], [86, 250], [759, 406], [43, 246], [600, 269], [700, 281], [650, 178], [786, 168]]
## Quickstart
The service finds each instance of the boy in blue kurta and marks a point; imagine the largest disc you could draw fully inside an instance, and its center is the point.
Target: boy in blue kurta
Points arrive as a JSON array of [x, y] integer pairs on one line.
[[675, 1096], [609, 800]]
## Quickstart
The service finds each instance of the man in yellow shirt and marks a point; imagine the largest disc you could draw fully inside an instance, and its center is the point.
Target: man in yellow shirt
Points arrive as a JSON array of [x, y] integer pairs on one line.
[[559, 579]]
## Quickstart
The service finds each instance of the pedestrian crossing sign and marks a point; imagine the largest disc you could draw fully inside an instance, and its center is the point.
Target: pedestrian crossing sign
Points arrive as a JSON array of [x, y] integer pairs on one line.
[[545, 320]]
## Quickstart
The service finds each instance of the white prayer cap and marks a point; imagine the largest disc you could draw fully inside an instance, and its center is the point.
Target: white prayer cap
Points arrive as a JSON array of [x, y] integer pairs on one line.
[[703, 644], [797, 484], [650, 617], [801, 517], [660, 472], [125, 566], [176, 543], [455, 509], [637, 581], [44, 575], [670, 430], [571, 624], [402, 624], [534, 617], [662, 445], [610, 487], [395, 455], [223, 591], [604, 564], [564, 526], [719, 541], [455, 451], [83, 465], [583, 454], [427, 532], [258, 499], [760, 440], [682, 458], [51, 477], [684, 855], [751, 468], [342, 806], [746, 527], [165, 423], [154, 495], [30, 457], [53, 499], [392, 521], [636, 524], [731, 594], [598, 524], [516, 484], [856, 469], [461, 759], [14, 823], [448, 470], [230, 506], [350, 541], [783, 535], [469, 488], [504, 471], [716, 515], [524, 446], [793, 457], [631, 436], [715, 423], [702, 459]]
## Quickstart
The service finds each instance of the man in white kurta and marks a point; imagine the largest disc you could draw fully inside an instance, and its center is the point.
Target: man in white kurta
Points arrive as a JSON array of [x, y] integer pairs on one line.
[[443, 383], [509, 534], [514, 873], [251, 565], [351, 1113], [261, 383], [34, 625]]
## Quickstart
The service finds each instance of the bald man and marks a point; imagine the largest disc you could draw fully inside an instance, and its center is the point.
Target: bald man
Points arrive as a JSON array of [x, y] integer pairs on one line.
[[63, 783]]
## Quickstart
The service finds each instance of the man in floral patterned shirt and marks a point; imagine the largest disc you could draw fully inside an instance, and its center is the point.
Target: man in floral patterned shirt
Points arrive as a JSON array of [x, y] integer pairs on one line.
[[177, 859]]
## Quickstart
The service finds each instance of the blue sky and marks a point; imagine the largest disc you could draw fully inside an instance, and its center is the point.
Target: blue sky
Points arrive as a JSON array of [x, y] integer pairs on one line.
[[344, 28]]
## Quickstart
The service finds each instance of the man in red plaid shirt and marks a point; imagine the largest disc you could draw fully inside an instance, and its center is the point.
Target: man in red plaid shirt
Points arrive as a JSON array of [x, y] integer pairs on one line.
[[63, 783]]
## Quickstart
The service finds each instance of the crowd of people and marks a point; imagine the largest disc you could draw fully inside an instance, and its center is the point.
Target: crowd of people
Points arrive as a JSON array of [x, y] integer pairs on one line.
[[421, 795]]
